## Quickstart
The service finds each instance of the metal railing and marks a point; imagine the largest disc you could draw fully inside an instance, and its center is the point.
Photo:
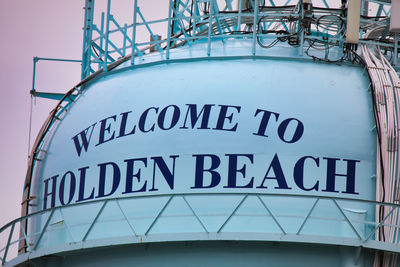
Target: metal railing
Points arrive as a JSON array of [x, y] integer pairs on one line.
[[361, 230], [205, 21]]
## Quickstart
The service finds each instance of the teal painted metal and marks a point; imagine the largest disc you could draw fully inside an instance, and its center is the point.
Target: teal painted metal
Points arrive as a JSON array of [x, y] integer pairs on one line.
[[205, 230], [87, 38], [106, 52], [54, 96], [178, 29], [186, 69], [252, 66], [219, 253], [49, 95], [104, 40]]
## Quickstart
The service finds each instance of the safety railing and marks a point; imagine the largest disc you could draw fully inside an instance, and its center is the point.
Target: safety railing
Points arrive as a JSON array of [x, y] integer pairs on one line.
[[331, 220], [313, 31]]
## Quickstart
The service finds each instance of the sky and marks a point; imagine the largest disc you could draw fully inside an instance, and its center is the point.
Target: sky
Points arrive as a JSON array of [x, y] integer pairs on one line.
[[43, 28], [40, 28]]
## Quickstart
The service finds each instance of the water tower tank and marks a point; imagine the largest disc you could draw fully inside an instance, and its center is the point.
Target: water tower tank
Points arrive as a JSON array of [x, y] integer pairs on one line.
[[251, 134]]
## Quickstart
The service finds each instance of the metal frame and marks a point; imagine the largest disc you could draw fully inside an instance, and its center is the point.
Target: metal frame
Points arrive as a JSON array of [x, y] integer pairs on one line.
[[358, 241], [99, 40], [179, 33]]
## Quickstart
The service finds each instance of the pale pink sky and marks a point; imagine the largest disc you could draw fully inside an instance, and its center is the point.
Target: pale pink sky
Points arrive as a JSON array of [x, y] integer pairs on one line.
[[42, 28]]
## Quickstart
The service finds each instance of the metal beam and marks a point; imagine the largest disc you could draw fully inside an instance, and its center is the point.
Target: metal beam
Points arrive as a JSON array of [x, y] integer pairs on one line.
[[232, 213], [54, 96], [87, 38], [8, 244], [95, 220], [44, 229]]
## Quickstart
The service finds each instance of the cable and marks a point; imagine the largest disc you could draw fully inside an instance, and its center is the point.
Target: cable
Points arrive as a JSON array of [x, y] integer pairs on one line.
[[385, 84]]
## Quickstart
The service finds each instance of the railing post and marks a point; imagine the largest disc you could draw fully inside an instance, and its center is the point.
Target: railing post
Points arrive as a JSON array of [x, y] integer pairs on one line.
[[107, 34], [396, 48], [8, 244], [87, 38], [308, 215], [159, 214], [232, 213], [102, 29], [134, 32], [210, 18], [124, 30], [95, 220], [301, 47], [35, 60], [239, 15], [255, 27], [169, 28], [44, 229]]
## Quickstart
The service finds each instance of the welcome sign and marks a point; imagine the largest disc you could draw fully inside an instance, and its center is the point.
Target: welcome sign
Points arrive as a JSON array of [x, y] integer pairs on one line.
[[203, 171], [175, 129]]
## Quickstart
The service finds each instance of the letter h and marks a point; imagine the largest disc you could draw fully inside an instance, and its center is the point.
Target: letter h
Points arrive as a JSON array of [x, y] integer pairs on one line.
[[52, 193]]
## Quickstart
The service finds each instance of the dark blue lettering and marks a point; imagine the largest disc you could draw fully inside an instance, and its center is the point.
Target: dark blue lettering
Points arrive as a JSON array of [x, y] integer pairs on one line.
[[233, 170], [194, 117], [276, 167], [298, 133], [223, 117], [264, 121], [85, 140], [298, 173], [142, 120], [122, 127], [167, 174], [129, 175], [102, 179], [104, 128], [81, 192], [200, 170], [72, 186], [350, 176], [174, 120], [52, 193]]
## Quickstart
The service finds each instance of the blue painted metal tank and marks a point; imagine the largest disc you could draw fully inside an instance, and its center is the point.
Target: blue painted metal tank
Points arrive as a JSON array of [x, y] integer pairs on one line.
[[233, 149], [216, 152]]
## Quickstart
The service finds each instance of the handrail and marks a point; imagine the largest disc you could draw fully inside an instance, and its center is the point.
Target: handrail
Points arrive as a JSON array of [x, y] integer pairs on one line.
[[361, 238]]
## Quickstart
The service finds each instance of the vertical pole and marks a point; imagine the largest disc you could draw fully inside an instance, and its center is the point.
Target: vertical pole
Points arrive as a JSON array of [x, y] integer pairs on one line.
[[301, 48], [35, 60], [101, 52], [209, 31], [134, 32], [255, 26], [33, 92], [169, 27], [8, 244], [102, 29], [239, 15], [194, 15], [396, 47], [87, 38], [124, 30], [107, 34], [364, 7]]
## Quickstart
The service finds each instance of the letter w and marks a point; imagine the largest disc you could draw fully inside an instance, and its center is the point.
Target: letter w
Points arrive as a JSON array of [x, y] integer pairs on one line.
[[84, 140]]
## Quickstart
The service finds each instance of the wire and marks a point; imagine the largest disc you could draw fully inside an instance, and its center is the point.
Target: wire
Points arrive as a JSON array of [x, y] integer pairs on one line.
[[97, 54], [386, 102]]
